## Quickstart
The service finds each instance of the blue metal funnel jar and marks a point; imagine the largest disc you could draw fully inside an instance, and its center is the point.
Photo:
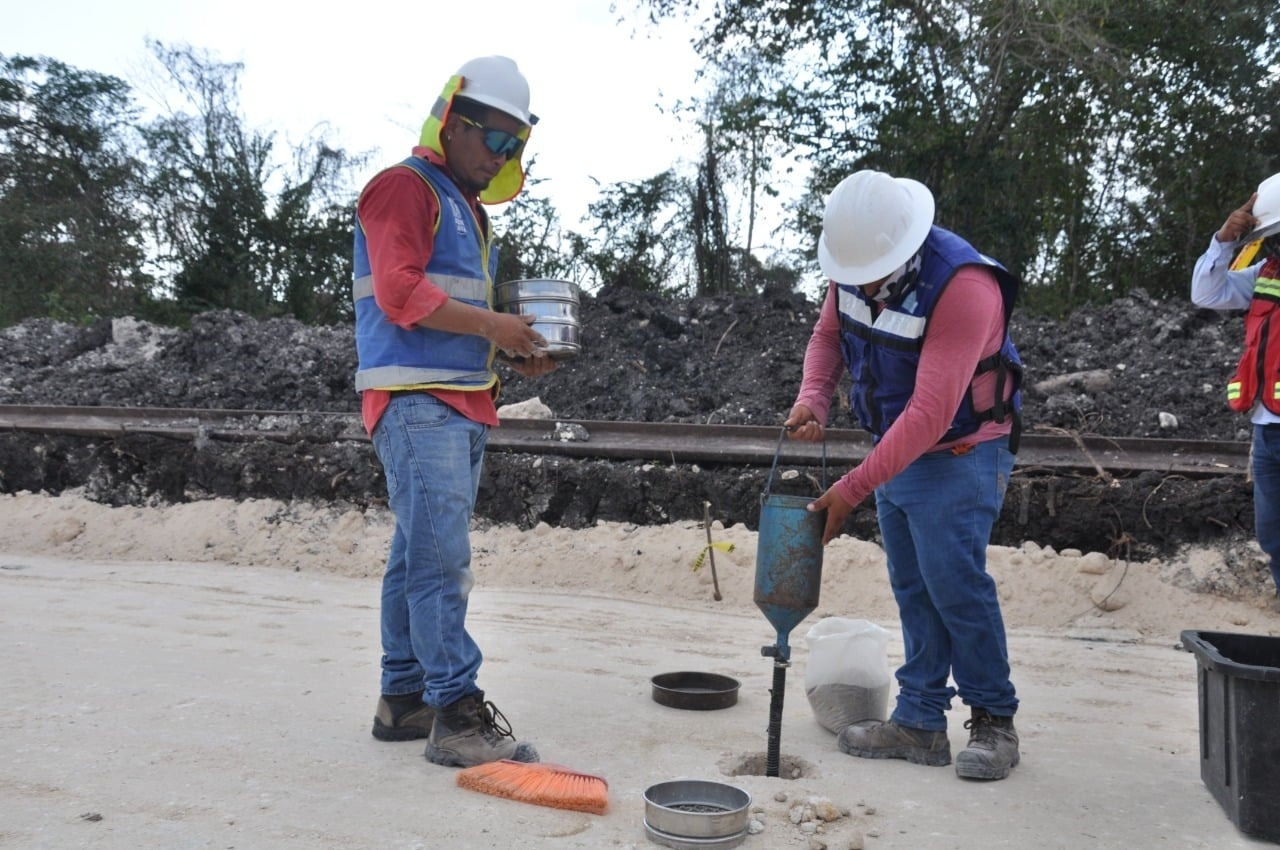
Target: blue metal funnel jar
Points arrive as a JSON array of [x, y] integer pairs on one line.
[[788, 556], [788, 562]]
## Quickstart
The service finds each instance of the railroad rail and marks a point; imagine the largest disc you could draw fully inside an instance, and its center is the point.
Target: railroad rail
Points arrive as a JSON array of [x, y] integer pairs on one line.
[[664, 442]]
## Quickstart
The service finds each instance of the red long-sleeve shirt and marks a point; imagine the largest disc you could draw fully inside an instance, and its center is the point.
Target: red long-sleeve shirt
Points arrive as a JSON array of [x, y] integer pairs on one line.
[[398, 211], [967, 324]]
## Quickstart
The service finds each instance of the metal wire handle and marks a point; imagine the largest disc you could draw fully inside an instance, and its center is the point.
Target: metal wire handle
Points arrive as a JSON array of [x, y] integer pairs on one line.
[[777, 452]]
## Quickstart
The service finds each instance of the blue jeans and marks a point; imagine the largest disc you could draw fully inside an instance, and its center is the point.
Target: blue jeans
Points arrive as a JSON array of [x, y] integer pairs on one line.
[[432, 457], [936, 518], [1266, 494]]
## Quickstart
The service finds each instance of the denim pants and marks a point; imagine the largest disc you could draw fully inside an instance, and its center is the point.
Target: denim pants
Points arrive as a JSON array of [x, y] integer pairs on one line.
[[1266, 494], [936, 518], [431, 456]]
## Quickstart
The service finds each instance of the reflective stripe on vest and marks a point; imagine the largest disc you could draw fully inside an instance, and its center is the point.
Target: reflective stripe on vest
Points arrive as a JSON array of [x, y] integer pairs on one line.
[[857, 313], [462, 288], [404, 377], [1267, 287]]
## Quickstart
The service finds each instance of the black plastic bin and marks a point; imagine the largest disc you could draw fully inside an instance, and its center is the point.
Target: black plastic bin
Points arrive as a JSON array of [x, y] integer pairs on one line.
[[1239, 688]]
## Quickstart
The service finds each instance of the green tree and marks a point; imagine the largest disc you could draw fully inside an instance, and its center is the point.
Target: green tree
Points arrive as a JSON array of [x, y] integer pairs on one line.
[[207, 189], [708, 218], [640, 236], [741, 142], [237, 229], [529, 238], [310, 266], [1082, 142], [71, 243], [1203, 131]]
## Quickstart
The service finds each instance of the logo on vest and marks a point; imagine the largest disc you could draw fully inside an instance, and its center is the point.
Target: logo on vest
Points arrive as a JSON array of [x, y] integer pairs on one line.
[[459, 223]]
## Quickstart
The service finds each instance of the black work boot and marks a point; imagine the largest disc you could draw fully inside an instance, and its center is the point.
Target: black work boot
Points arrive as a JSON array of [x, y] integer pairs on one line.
[[402, 717], [993, 747], [878, 739], [472, 731]]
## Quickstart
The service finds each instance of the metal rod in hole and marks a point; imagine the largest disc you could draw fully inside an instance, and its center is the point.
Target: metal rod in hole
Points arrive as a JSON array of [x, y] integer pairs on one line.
[[772, 757]]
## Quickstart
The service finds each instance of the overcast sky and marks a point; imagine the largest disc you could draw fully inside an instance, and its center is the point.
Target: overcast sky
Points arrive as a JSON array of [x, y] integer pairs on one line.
[[371, 71]]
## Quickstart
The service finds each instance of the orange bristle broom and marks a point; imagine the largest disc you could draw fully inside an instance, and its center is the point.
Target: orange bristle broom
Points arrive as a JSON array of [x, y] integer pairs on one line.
[[539, 783]]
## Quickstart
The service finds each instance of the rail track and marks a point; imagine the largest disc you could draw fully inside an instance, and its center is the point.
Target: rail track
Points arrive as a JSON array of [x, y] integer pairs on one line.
[[1056, 451]]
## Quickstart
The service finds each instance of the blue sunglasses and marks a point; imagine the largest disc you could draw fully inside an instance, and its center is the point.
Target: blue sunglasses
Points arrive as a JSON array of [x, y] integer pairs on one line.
[[497, 142]]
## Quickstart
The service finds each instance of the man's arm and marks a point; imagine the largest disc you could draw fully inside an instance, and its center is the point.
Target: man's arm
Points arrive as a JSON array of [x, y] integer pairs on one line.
[[967, 321], [397, 211], [1213, 284], [823, 362]]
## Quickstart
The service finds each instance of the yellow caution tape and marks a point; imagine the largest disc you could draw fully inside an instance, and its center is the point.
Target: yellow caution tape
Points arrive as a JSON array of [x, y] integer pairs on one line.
[[723, 546]]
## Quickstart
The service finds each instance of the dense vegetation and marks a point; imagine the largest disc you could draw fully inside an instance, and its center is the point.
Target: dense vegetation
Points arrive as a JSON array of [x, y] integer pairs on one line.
[[1093, 146]]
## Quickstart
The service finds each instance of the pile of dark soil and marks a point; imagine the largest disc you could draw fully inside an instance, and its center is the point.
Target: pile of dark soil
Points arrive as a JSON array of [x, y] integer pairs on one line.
[[1134, 368]]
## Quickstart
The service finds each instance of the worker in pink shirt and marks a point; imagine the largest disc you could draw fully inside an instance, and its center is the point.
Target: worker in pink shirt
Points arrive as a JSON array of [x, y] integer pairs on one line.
[[920, 319]]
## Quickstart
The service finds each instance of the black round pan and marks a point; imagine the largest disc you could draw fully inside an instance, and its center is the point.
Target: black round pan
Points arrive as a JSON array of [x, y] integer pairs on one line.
[[695, 691]]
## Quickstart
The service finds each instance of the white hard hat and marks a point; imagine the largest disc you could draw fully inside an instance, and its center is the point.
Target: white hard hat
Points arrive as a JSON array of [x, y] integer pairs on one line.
[[873, 224], [1267, 209], [496, 81]]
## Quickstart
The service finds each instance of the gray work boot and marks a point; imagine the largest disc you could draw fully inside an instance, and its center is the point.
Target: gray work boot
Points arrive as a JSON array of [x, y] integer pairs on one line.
[[876, 739], [472, 731], [402, 718], [993, 747]]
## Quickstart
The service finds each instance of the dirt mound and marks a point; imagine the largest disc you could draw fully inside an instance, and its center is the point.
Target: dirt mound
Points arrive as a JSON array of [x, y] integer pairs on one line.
[[1134, 368], [1109, 371]]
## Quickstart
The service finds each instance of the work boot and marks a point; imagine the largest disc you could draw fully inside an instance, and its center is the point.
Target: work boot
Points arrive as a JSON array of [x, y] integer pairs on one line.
[[877, 739], [472, 731], [993, 747], [402, 717]]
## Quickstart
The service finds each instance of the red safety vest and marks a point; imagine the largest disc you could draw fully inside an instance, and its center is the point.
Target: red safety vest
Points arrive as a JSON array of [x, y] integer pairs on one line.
[[1257, 375]]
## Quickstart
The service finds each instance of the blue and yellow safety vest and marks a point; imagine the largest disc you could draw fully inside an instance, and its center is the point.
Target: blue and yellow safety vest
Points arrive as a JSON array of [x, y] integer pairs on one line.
[[463, 265]]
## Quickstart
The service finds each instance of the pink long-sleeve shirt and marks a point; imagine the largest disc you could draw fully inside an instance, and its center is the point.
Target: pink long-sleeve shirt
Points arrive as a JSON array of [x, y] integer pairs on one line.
[[967, 325]]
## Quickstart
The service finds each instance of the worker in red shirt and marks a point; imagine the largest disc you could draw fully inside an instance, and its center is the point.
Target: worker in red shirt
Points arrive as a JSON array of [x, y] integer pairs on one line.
[[426, 339], [920, 319]]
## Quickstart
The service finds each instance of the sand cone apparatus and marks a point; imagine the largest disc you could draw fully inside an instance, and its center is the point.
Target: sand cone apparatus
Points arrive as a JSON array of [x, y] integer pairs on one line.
[[539, 783], [788, 577]]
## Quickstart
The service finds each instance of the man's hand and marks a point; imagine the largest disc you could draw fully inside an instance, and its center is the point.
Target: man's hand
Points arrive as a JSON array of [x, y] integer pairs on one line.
[[837, 509], [515, 337], [802, 425], [1240, 223], [510, 333]]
